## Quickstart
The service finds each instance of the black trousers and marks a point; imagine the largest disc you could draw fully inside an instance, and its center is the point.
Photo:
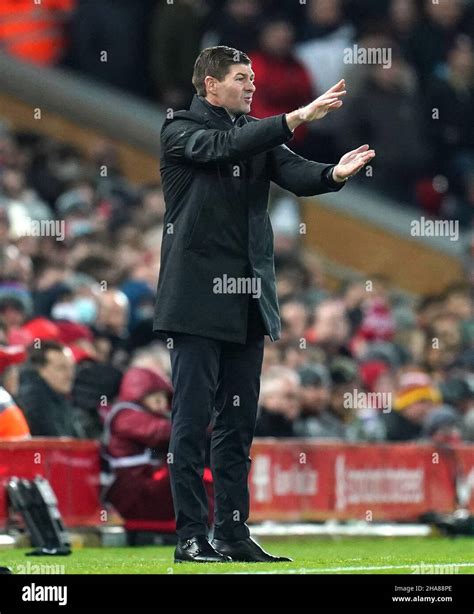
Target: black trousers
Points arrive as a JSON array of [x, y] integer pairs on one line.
[[219, 382]]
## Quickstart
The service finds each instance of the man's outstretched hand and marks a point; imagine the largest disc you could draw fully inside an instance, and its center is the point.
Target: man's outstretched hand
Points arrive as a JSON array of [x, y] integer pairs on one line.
[[327, 102], [352, 162], [319, 108]]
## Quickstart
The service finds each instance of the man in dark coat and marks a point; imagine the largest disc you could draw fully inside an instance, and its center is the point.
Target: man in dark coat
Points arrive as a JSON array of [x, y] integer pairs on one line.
[[216, 296], [45, 390]]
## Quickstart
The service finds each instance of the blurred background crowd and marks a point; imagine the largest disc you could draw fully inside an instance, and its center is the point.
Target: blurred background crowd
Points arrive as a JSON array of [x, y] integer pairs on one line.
[[76, 313], [417, 114]]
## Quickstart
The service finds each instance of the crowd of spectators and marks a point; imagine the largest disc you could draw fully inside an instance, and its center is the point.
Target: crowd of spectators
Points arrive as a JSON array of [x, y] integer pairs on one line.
[[360, 363], [363, 362], [415, 106]]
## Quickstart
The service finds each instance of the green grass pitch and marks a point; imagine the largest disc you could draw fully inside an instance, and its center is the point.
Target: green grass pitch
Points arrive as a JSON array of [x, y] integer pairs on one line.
[[310, 555]]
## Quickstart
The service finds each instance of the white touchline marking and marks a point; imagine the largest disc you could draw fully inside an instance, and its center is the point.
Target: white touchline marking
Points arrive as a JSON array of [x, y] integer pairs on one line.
[[304, 570]]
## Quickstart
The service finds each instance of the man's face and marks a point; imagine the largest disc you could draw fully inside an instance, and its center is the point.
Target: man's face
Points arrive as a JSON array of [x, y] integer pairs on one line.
[[315, 399], [113, 312], [156, 402], [416, 412], [332, 325], [285, 399], [337, 399], [295, 316], [59, 370], [235, 91]]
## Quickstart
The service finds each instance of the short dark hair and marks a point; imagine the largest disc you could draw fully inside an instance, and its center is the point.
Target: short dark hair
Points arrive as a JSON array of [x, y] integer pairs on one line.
[[11, 302], [215, 62], [39, 355]]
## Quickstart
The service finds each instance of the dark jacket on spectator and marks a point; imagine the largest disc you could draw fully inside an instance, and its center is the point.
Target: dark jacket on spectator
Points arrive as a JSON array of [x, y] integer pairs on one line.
[[272, 424], [399, 428], [391, 119], [48, 413]]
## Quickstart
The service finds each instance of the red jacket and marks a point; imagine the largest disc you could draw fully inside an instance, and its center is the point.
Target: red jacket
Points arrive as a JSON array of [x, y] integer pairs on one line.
[[132, 432], [134, 492], [283, 85], [139, 491]]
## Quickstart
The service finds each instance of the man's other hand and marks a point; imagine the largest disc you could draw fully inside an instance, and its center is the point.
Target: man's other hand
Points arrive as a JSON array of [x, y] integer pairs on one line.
[[352, 162]]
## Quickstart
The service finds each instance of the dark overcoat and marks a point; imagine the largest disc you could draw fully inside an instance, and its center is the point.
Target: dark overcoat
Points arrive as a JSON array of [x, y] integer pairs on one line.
[[217, 234]]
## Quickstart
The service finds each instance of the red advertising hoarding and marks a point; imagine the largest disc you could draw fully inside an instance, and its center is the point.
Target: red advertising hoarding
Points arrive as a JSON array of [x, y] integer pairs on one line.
[[71, 466], [293, 480], [308, 480]]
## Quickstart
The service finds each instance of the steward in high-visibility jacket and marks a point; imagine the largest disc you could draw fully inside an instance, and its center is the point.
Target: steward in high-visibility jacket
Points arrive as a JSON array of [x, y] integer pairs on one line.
[[34, 30], [12, 421], [135, 444]]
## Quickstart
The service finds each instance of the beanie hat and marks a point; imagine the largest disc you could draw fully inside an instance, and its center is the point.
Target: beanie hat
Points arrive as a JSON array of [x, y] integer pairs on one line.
[[415, 386], [370, 372], [11, 355], [138, 382]]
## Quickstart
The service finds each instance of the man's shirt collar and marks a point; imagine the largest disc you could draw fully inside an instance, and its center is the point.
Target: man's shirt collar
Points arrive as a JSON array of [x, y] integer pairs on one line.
[[222, 111]]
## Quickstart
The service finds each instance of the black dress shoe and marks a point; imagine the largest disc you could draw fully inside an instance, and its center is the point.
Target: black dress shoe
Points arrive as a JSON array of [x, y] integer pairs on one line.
[[246, 551], [198, 550], [5, 570]]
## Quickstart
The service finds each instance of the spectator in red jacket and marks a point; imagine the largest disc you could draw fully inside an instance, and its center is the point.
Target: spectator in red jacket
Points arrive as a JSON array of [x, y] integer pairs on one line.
[[281, 79], [136, 438]]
